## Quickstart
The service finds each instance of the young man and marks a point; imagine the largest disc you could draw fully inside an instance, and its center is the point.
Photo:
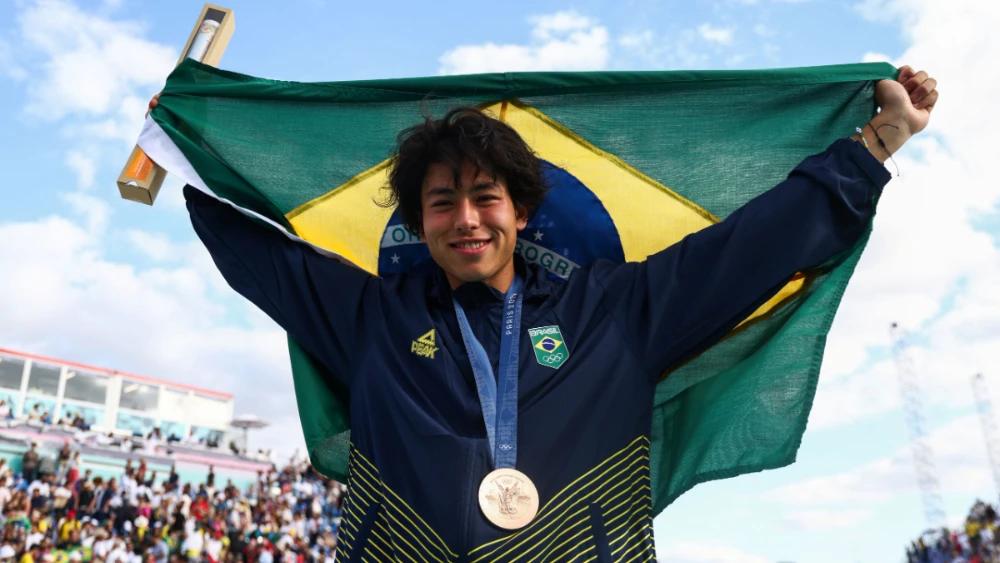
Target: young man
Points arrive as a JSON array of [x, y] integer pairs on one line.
[[461, 432]]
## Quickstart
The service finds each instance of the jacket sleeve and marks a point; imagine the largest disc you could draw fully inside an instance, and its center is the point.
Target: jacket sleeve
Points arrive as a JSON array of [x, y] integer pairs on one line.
[[687, 297], [323, 304]]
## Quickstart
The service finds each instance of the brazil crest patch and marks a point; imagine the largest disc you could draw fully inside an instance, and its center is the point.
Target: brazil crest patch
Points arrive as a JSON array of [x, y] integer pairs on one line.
[[549, 346]]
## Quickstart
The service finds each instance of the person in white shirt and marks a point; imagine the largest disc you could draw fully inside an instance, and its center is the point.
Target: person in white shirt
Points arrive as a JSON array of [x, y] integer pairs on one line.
[[129, 486], [186, 504], [152, 441], [88, 533], [118, 553], [61, 497], [42, 486], [34, 538], [213, 546], [193, 544], [131, 555], [102, 544], [143, 490]]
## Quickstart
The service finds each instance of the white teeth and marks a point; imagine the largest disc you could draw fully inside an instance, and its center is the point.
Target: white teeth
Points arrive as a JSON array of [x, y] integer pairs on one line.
[[471, 245]]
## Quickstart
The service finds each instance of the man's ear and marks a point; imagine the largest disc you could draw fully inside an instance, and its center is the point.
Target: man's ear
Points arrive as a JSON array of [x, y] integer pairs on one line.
[[521, 212]]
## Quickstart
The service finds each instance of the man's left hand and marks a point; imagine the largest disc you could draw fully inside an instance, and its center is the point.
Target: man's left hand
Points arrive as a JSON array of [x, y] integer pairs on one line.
[[910, 98]]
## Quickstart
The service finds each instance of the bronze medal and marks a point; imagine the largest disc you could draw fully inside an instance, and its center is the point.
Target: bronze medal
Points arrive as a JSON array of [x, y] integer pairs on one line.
[[508, 498]]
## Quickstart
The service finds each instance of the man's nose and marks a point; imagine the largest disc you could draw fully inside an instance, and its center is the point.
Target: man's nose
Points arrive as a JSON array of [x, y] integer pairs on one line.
[[466, 216]]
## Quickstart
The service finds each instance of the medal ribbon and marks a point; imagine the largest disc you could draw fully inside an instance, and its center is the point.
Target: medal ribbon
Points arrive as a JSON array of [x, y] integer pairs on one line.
[[501, 430]]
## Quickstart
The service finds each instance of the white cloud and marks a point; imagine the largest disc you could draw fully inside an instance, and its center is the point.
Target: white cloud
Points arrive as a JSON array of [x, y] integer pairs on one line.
[[717, 35], [925, 249], [94, 211], [8, 64], [762, 30], [84, 166], [692, 47], [823, 520], [689, 552], [562, 41], [90, 62], [120, 126], [873, 57], [155, 246], [637, 40], [959, 457], [61, 295], [737, 59], [551, 26], [90, 76], [685, 49]]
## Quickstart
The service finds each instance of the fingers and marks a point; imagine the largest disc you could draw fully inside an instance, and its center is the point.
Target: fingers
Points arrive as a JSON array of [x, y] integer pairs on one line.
[[153, 103], [905, 73], [928, 101], [914, 81], [921, 91]]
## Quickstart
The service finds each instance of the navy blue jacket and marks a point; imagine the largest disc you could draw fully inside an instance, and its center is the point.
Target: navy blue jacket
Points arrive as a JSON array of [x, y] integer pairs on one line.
[[419, 447]]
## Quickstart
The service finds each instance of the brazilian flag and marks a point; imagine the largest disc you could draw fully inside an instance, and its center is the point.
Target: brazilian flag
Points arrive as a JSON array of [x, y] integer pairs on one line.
[[64, 555], [636, 160]]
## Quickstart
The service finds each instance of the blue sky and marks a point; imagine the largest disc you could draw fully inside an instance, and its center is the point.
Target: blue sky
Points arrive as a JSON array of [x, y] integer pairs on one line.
[[89, 277]]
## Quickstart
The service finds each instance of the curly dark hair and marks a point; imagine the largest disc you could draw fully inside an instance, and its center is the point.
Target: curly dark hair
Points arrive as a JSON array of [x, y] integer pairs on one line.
[[463, 134]]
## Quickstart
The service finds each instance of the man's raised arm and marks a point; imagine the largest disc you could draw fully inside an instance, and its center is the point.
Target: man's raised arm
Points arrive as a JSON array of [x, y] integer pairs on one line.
[[687, 297], [325, 305]]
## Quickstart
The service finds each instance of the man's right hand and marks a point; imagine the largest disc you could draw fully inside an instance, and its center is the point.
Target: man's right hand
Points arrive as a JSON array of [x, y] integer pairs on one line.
[[153, 103]]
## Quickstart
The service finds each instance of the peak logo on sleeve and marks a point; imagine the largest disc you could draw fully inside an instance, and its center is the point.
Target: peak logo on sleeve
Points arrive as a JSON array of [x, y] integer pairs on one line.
[[425, 345], [549, 346]]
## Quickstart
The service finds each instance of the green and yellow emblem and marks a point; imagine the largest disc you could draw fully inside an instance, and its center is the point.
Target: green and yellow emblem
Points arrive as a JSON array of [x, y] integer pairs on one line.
[[550, 349]]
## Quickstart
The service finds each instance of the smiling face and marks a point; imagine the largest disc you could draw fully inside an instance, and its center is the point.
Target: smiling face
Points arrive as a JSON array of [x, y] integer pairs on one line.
[[471, 229]]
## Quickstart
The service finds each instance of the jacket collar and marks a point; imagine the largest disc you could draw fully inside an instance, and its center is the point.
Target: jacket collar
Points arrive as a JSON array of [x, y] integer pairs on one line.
[[537, 285]]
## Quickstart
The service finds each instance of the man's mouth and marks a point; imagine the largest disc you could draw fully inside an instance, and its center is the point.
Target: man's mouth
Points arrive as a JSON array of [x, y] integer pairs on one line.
[[470, 246]]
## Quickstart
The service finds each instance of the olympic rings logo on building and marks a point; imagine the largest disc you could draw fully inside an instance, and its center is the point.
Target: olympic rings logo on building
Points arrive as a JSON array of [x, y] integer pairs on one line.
[[553, 358]]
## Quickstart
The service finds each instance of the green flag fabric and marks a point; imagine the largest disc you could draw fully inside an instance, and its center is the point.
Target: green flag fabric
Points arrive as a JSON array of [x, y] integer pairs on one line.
[[665, 153]]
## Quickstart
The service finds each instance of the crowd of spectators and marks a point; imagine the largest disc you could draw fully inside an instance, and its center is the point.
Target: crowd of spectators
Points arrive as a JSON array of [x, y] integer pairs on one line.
[[289, 515], [976, 542]]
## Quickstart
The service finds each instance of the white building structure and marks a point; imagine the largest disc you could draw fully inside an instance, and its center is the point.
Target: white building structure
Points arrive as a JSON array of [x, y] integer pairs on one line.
[[109, 399]]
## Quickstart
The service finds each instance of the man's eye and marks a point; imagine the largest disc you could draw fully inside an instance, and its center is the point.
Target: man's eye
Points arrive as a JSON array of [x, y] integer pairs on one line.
[[440, 203]]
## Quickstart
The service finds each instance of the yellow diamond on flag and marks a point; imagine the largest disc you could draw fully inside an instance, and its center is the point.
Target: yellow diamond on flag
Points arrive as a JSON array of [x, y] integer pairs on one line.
[[548, 344]]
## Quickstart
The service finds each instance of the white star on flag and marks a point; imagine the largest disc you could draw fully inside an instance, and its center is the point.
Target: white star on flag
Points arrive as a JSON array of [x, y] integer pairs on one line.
[[538, 235], [395, 259]]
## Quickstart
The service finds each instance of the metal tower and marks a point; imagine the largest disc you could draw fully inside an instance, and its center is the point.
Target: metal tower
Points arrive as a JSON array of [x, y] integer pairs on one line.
[[923, 456], [990, 433]]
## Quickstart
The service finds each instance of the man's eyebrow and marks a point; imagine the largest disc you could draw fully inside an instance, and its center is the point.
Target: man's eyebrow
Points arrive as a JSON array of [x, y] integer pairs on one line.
[[443, 190], [447, 190], [481, 186]]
